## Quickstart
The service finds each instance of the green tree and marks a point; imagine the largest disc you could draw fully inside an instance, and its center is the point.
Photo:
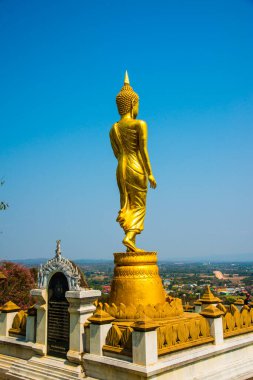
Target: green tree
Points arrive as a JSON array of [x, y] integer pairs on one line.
[[3, 205]]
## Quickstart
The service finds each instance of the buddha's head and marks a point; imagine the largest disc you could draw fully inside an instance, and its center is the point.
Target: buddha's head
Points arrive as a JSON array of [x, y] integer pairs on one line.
[[127, 100]]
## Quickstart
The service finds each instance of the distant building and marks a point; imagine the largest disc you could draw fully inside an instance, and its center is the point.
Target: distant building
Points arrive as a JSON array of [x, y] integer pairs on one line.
[[218, 275], [225, 290], [106, 289]]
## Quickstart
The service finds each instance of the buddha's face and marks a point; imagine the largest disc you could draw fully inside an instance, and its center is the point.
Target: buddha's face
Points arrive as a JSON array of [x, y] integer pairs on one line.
[[135, 110]]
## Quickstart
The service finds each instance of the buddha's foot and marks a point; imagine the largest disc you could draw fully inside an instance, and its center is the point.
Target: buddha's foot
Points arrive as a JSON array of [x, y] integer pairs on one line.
[[131, 247]]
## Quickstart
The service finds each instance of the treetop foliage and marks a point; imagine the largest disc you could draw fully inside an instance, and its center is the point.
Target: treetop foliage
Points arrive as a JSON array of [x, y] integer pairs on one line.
[[3, 205], [19, 281]]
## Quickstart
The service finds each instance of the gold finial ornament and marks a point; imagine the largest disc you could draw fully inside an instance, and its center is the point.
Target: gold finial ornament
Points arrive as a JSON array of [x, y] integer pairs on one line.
[[129, 143]]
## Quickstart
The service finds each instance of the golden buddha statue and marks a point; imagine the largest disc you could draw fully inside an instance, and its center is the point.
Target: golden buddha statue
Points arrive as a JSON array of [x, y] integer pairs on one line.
[[129, 143]]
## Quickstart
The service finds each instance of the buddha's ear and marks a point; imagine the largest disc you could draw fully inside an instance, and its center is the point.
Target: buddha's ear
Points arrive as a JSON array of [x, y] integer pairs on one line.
[[134, 108], [133, 103]]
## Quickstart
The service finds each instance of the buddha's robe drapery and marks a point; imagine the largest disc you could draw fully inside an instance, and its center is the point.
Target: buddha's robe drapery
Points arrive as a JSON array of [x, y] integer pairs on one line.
[[131, 176]]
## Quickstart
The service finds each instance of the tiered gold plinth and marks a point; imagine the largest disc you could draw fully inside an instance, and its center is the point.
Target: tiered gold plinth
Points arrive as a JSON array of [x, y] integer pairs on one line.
[[139, 302], [136, 280]]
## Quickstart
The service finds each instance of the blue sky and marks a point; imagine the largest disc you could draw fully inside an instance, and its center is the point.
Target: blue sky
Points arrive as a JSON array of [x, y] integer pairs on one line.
[[61, 66]]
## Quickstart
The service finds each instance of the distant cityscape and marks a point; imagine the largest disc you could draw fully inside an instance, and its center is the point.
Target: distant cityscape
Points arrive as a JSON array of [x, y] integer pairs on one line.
[[229, 281]]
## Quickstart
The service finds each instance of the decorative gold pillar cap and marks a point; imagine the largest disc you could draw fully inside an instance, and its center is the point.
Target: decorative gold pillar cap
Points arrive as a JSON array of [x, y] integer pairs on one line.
[[2, 276], [144, 324], [208, 296], [211, 311], [198, 302], [10, 307], [101, 317]]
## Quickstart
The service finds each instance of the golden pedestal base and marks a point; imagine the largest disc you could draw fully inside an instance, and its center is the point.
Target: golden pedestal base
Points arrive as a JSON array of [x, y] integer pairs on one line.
[[137, 289], [136, 280]]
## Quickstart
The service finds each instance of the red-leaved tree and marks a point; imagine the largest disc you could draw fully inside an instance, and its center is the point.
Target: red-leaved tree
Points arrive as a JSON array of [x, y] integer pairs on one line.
[[17, 285]]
